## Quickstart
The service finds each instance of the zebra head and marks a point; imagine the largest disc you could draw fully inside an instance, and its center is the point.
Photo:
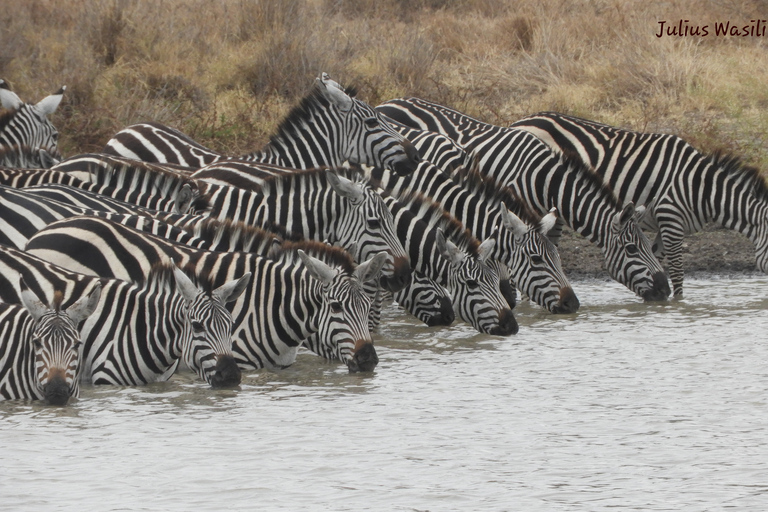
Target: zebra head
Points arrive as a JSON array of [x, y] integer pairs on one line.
[[426, 300], [56, 342], [367, 228], [630, 257], [366, 138], [207, 348], [534, 262], [343, 331], [474, 286], [28, 125]]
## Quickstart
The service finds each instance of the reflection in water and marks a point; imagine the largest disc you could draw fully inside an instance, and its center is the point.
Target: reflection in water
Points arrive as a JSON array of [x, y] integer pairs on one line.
[[622, 405]]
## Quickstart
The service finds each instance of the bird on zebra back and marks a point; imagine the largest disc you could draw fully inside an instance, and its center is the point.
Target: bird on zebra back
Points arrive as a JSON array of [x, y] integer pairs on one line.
[[40, 345], [23, 125], [292, 295], [489, 210], [328, 127], [544, 179], [138, 333], [681, 188]]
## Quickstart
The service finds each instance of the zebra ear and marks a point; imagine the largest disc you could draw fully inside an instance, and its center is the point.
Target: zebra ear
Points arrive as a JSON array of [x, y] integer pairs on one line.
[[34, 304], [448, 250], [344, 187], [8, 98], [486, 249], [317, 269], [184, 284], [548, 222], [621, 219], [370, 269], [49, 104], [183, 200], [334, 93], [83, 307], [513, 223], [232, 290]]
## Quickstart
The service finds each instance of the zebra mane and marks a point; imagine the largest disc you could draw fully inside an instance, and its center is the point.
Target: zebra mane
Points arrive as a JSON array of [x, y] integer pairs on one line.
[[245, 237], [435, 215], [477, 183], [58, 300], [289, 127], [573, 161], [328, 254], [160, 278], [733, 166], [6, 116]]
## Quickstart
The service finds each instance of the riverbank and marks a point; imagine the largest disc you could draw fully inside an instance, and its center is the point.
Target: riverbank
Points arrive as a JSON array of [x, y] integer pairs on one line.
[[712, 251]]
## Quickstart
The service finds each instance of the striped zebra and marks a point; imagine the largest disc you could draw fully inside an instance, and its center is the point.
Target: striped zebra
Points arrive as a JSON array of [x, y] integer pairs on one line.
[[292, 294], [681, 188], [40, 346], [25, 125], [327, 128], [24, 157], [140, 332], [543, 180], [489, 210], [443, 250]]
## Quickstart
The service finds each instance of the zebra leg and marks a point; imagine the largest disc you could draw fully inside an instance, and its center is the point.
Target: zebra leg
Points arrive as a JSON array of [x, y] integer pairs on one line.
[[673, 248]]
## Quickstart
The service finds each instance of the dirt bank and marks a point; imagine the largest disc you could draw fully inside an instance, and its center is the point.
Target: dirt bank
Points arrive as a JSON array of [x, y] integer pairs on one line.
[[712, 251]]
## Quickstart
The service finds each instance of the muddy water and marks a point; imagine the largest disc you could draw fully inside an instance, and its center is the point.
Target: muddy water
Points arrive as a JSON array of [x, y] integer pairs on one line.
[[624, 405]]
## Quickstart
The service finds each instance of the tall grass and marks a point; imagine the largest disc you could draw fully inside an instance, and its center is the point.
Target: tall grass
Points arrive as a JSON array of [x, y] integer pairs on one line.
[[226, 72]]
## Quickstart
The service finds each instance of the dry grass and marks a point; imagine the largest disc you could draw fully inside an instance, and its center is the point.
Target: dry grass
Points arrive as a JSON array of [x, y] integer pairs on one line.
[[225, 72]]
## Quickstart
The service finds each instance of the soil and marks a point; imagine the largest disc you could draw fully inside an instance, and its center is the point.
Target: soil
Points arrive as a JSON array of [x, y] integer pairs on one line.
[[712, 251]]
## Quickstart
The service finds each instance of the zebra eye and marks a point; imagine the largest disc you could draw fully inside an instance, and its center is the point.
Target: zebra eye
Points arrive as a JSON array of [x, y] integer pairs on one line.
[[374, 223], [336, 307], [472, 283], [76, 345], [536, 259], [37, 343], [197, 326], [371, 122], [632, 249]]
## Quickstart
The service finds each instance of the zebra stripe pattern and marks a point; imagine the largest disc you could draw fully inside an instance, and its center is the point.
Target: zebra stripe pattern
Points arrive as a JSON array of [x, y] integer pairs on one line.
[[40, 347], [544, 180], [289, 298], [681, 188], [328, 128], [23, 125], [25, 157], [138, 333]]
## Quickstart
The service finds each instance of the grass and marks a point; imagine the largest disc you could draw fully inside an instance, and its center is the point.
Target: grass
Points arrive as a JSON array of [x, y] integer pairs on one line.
[[226, 72]]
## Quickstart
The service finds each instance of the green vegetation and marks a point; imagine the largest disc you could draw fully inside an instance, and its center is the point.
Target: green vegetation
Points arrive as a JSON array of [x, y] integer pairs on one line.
[[226, 71]]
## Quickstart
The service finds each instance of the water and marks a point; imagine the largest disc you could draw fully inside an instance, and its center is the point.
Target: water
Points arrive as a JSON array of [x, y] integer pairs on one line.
[[623, 406]]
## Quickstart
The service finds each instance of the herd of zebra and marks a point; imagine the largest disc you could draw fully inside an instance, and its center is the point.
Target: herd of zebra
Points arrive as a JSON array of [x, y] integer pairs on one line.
[[118, 267]]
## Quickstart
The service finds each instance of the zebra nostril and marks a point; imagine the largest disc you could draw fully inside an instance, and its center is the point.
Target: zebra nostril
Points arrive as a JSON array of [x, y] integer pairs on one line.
[[56, 391], [568, 303], [227, 373], [507, 324], [364, 360]]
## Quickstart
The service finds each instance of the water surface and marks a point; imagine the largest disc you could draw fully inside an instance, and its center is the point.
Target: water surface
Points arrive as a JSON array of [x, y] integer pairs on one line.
[[624, 405]]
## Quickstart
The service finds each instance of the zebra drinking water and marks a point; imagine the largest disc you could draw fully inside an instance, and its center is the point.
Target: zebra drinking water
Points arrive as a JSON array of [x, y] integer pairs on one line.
[[40, 346], [681, 188]]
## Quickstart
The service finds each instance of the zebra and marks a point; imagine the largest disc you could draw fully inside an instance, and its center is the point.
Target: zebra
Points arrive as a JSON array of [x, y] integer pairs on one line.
[[682, 188], [24, 157], [140, 332], [543, 180], [25, 125], [40, 346], [328, 127], [465, 267], [490, 210], [292, 295]]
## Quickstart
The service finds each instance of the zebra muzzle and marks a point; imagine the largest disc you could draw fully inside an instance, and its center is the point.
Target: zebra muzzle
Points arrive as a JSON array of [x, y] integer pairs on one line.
[[568, 302], [400, 277], [660, 289], [227, 374], [507, 324], [56, 391], [446, 316], [410, 162], [364, 359]]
